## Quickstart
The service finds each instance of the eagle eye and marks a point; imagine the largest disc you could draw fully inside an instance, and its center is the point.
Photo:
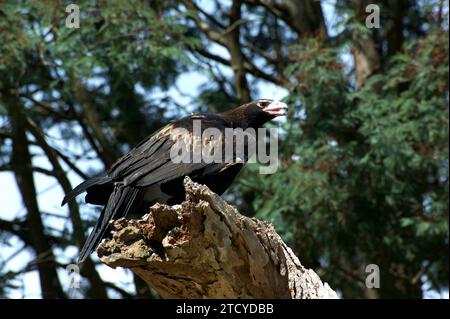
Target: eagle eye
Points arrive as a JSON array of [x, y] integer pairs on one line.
[[263, 104]]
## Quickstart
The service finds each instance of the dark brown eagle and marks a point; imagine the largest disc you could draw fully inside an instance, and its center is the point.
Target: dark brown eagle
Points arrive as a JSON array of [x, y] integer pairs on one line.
[[148, 173]]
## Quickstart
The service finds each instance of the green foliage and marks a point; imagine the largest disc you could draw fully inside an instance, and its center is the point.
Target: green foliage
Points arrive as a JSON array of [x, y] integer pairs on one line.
[[119, 46], [365, 174]]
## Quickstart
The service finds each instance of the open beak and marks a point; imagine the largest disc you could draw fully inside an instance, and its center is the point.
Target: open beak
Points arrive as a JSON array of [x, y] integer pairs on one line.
[[276, 108]]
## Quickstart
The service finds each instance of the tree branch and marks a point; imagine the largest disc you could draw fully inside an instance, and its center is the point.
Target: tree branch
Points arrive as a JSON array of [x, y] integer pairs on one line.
[[228, 38], [22, 163], [248, 66], [205, 248], [98, 289], [237, 57], [108, 152]]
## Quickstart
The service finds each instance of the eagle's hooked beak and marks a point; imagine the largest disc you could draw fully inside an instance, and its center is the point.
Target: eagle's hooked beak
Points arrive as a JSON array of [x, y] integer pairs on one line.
[[276, 108]]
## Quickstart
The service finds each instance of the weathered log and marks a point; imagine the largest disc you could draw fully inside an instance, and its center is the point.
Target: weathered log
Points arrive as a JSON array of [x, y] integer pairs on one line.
[[204, 248]]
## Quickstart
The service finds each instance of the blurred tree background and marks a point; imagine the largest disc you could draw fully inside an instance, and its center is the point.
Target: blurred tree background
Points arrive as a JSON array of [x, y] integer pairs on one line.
[[364, 150]]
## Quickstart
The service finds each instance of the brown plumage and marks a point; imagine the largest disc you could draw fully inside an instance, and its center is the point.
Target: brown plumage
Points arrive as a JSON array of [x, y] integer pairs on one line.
[[147, 174]]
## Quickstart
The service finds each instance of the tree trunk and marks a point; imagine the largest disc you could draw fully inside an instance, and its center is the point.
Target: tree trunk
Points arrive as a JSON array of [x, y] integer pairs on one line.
[[22, 163], [204, 248], [304, 17], [98, 289], [237, 58], [364, 49]]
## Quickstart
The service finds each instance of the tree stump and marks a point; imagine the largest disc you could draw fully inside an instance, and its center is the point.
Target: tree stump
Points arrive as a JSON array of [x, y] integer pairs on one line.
[[204, 248]]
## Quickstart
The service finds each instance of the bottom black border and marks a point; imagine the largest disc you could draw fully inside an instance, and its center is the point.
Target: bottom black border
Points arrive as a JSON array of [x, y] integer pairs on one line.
[[226, 308]]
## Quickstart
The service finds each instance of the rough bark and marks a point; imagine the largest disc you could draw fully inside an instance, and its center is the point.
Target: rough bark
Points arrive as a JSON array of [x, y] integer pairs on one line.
[[204, 248]]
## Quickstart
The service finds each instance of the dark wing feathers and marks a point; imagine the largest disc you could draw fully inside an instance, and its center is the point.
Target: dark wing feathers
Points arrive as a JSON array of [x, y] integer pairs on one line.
[[119, 204], [167, 172], [151, 152], [147, 164], [150, 163], [99, 180]]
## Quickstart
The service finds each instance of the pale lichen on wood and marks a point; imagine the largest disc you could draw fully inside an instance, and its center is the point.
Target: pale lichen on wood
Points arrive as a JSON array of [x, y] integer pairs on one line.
[[204, 248]]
